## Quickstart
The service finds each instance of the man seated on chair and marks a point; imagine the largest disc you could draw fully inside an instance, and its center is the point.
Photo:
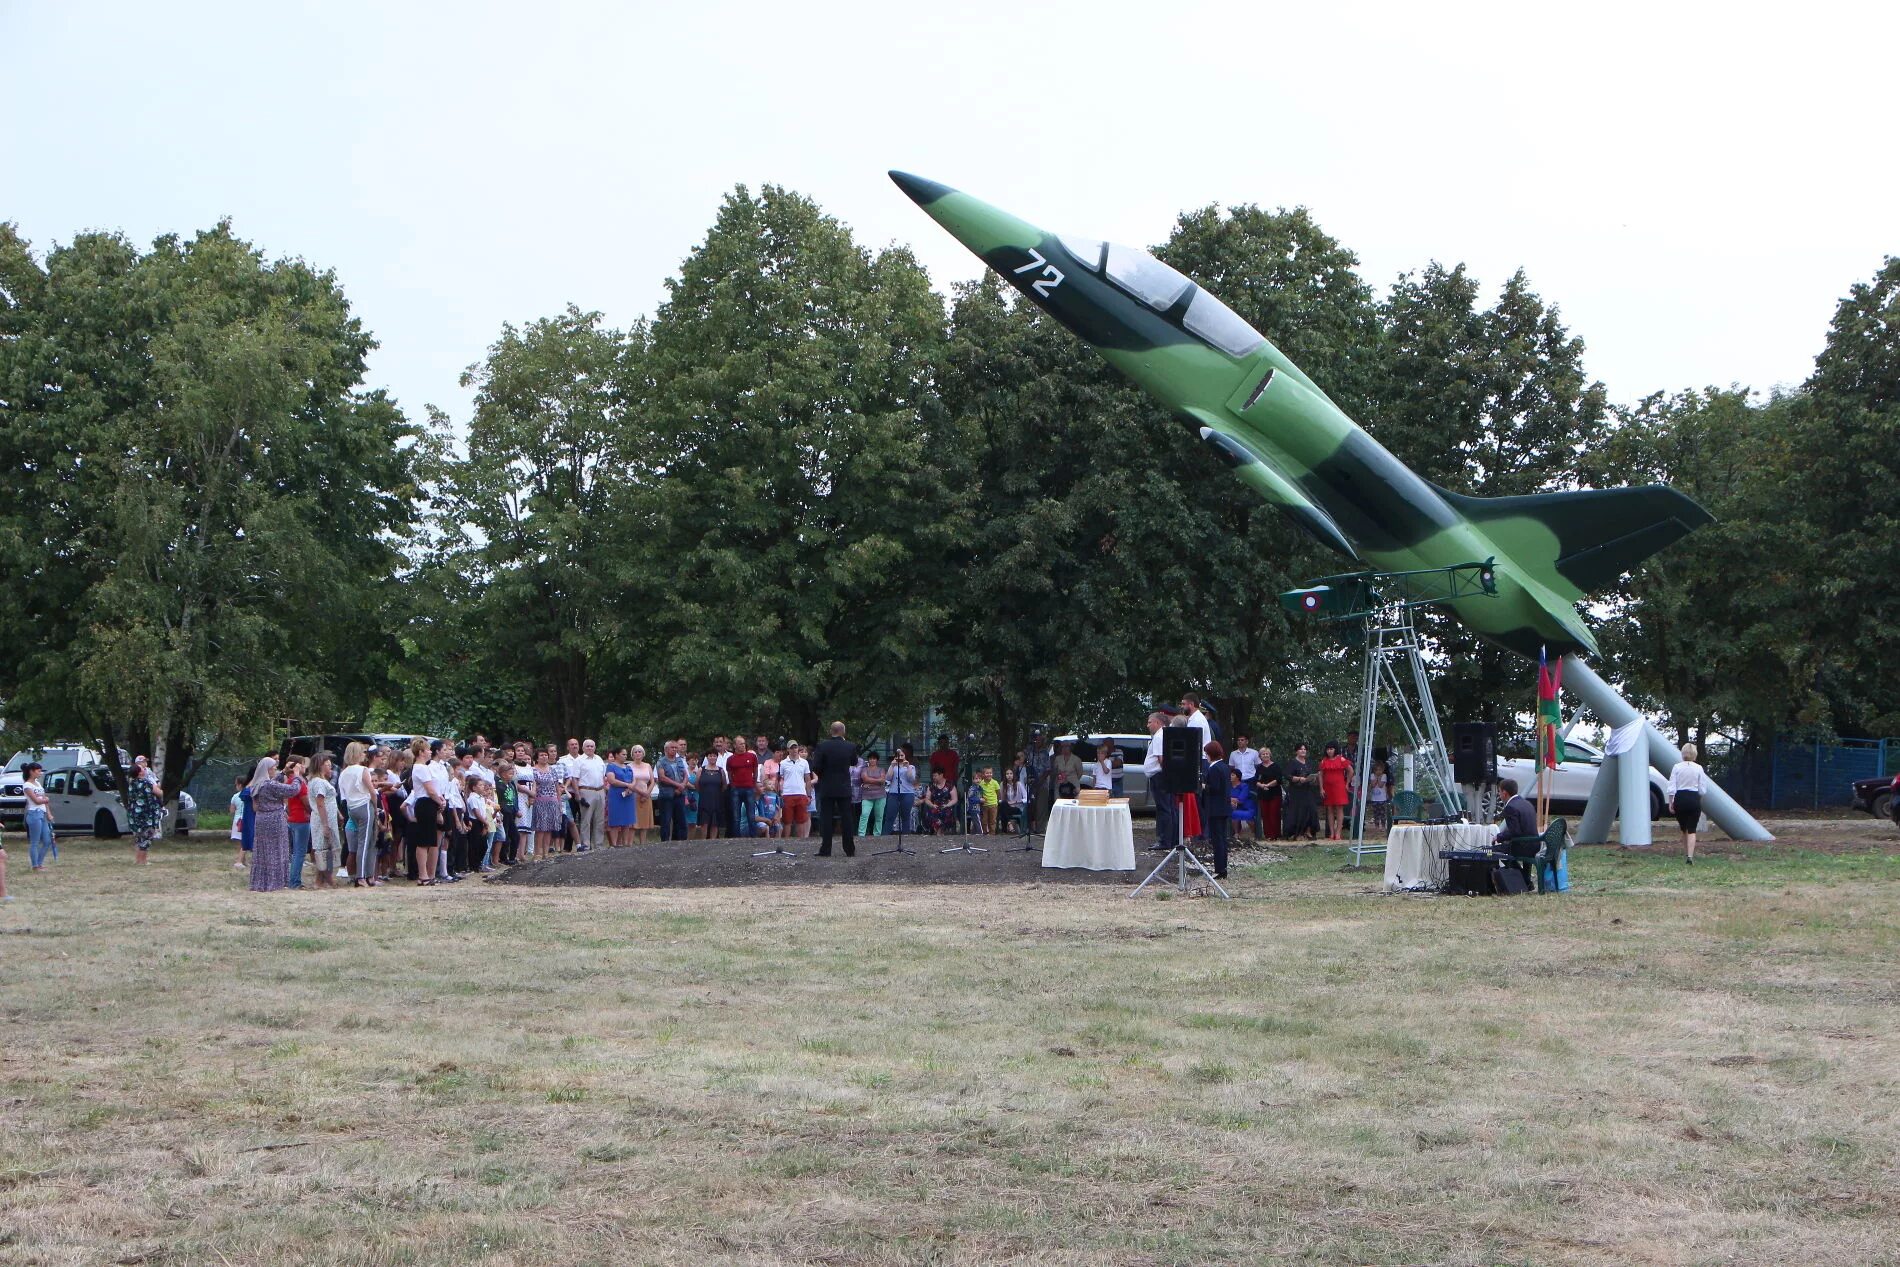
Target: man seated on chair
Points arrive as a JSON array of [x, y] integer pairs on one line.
[[1520, 816]]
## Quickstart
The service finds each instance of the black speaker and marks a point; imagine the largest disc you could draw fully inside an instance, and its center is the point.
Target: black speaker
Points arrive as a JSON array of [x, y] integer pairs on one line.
[[1474, 752], [1181, 758]]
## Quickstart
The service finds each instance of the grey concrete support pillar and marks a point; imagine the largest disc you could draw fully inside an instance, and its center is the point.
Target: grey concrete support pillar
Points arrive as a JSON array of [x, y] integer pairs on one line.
[[1603, 700]]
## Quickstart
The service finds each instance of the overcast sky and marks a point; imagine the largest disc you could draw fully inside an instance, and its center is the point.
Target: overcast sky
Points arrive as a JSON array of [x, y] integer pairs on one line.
[[1695, 186]]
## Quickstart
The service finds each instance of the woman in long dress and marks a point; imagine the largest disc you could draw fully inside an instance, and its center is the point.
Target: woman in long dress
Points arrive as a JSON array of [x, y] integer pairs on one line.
[[1269, 794], [547, 804], [146, 808], [1335, 779], [326, 843], [270, 837], [1300, 816], [619, 781], [645, 783]]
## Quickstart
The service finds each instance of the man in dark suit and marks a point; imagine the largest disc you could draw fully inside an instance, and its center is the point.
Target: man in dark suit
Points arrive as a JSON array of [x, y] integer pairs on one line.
[[1520, 816], [1518, 834], [831, 764]]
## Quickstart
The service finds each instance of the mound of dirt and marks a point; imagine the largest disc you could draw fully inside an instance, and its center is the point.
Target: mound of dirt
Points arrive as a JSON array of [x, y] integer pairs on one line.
[[729, 863]]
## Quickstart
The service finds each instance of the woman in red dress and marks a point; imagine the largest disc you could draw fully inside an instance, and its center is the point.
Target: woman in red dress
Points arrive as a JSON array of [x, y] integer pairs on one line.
[[1335, 774]]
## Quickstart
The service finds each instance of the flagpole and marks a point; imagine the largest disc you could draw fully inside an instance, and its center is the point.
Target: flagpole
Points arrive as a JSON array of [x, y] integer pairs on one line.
[[1545, 736]]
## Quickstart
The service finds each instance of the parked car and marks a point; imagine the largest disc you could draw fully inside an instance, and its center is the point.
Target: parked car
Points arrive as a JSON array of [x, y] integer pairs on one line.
[[84, 800], [1134, 749], [309, 745], [1571, 781], [57, 756], [1876, 796]]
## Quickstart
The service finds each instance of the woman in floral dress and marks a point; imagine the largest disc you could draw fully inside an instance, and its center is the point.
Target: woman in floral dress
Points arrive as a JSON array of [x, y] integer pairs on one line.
[[145, 808], [547, 804]]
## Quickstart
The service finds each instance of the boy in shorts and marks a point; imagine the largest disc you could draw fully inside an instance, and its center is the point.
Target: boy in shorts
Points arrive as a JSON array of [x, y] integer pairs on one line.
[[990, 792]]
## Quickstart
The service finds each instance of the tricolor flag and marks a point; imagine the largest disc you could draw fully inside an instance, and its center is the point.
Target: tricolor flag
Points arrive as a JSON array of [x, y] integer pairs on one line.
[[1549, 679]]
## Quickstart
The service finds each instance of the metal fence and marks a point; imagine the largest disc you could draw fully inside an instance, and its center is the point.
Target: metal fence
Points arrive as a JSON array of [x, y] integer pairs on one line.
[[1814, 775], [211, 785]]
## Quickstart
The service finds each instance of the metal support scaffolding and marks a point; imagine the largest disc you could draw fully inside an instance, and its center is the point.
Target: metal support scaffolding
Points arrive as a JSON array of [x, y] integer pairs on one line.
[[1392, 637]]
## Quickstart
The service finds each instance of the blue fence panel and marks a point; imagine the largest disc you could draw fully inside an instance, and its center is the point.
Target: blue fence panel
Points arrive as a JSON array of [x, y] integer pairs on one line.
[[1811, 776]]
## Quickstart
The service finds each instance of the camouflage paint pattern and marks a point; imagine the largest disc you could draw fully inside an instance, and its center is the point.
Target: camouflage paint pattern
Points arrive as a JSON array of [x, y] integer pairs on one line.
[[1284, 437]]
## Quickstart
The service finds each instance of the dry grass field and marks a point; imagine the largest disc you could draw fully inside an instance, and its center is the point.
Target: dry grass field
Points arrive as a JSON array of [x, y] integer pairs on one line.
[[1665, 1066]]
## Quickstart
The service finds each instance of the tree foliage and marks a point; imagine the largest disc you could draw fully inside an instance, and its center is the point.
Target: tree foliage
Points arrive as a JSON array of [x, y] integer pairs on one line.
[[202, 511], [806, 489], [802, 513]]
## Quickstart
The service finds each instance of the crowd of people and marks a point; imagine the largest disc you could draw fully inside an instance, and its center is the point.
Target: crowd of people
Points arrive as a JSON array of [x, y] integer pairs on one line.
[[1245, 794], [434, 812]]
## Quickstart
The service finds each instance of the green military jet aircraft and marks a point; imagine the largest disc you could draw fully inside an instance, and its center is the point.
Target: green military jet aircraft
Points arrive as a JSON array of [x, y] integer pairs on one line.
[[1300, 451]]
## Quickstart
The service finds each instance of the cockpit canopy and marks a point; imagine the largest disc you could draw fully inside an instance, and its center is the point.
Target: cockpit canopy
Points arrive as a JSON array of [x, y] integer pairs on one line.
[[1161, 287]]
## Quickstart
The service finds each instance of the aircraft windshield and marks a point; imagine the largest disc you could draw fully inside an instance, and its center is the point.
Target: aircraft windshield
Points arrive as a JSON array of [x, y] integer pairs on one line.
[[1220, 325], [1087, 251], [1145, 277]]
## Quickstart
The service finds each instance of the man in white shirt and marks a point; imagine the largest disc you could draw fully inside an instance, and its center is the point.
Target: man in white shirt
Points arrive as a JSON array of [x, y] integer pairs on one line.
[[564, 765], [1165, 820], [1191, 705], [588, 780], [1244, 759], [794, 774]]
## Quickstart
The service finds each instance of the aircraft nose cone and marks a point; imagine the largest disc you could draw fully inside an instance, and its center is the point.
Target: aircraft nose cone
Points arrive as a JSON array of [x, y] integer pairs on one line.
[[922, 192]]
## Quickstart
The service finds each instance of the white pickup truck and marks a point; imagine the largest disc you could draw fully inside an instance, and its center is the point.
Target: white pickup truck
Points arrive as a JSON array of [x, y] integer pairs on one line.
[[1571, 781]]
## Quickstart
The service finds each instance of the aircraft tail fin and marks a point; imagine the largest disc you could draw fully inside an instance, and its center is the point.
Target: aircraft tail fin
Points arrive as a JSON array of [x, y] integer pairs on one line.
[[1601, 533]]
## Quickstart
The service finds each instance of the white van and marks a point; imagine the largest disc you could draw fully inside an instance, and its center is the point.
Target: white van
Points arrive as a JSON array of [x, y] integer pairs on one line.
[[1573, 777], [84, 800], [58, 756]]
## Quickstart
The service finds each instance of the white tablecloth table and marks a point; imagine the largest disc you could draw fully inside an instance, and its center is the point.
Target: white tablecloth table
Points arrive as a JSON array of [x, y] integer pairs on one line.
[[1411, 852], [1092, 837]]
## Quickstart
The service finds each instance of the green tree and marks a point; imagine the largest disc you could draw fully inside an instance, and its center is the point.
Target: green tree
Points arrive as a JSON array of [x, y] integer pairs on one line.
[[804, 515], [1493, 403], [203, 516], [1835, 506], [547, 531], [1688, 633]]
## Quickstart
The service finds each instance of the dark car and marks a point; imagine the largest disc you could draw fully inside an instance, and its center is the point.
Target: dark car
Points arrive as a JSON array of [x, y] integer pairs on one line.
[[310, 745], [1876, 796]]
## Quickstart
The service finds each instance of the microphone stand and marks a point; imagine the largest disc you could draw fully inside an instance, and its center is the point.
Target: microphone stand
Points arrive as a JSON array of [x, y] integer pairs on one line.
[[963, 807], [1029, 820]]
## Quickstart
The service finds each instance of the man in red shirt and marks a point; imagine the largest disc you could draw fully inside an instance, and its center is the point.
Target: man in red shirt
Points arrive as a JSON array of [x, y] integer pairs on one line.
[[943, 761], [742, 783]]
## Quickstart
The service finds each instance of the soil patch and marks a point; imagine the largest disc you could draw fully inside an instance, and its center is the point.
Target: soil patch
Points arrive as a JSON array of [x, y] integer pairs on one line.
[[690, 864]]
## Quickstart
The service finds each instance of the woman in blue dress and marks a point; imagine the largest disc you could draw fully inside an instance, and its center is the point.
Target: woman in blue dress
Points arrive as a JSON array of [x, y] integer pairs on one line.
[[1245, 811], [547, 804], [620, 800]]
